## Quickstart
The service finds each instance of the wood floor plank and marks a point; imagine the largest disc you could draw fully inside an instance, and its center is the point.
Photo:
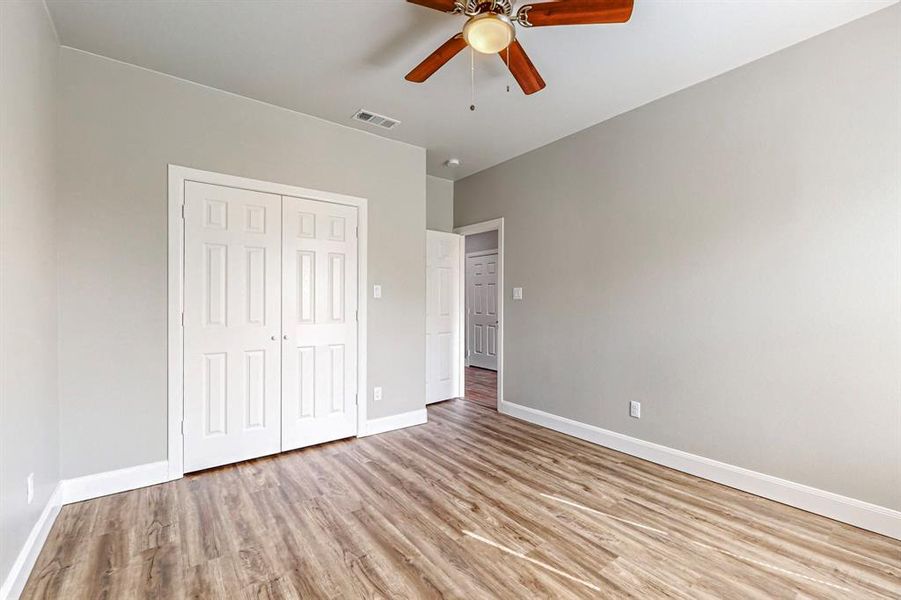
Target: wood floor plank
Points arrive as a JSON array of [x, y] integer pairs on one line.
[[473, 504], [480, 386]]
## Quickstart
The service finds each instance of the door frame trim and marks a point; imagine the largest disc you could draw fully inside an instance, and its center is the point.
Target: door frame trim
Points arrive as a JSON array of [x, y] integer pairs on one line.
[[178, 176], [482, 227]]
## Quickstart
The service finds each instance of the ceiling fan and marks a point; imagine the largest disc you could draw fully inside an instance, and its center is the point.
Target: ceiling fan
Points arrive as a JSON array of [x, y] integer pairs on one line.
[[490, 29]]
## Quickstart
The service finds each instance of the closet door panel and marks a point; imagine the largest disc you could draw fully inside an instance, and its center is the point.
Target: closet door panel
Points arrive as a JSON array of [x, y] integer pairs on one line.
[[232, 325], [319, 282]]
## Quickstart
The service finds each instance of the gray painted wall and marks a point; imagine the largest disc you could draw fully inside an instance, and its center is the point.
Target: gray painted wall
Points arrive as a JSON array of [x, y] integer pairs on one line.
[[478, 242], [439, 204], [729, 256], [120, 127], [29, 407]]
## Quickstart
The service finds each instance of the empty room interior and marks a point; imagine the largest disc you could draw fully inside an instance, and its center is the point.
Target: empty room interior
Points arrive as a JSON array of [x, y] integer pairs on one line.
[[450, 299]]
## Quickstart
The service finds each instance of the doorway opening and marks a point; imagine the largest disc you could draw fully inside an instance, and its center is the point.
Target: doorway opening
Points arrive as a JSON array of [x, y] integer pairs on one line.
[[483, 285]]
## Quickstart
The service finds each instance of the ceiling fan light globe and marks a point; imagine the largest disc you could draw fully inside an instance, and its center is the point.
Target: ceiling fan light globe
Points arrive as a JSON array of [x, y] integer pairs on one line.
[[488, 33]]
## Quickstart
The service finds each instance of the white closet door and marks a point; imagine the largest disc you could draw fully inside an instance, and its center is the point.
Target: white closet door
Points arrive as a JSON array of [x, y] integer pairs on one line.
[[443, 330], [231, 324], [319, 363], [481, 310]]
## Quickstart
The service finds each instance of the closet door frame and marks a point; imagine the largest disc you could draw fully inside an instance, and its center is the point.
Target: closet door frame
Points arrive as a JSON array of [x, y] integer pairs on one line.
[[178, 176]]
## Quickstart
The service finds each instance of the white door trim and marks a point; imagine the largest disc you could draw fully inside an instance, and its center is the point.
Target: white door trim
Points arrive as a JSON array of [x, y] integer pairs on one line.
[[492, 225], [462, 359], [177, 177]]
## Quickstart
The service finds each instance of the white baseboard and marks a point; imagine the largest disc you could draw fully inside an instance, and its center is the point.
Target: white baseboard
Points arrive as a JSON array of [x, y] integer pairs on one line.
[[75, 490], [18, 575], [113, 482], [407, 419], [841, 508]]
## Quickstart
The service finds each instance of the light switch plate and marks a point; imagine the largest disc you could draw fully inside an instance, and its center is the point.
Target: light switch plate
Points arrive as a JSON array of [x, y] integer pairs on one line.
[[517, 293], [376, 291]]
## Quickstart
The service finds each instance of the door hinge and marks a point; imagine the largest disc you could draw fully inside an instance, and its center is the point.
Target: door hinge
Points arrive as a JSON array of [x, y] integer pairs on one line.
[[182, 427], [356, 232], [182, 212], [356, 315], [182, 318]]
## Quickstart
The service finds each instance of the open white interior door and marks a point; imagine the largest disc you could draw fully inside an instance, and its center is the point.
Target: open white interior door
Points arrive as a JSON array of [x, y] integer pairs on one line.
[[444, 331]]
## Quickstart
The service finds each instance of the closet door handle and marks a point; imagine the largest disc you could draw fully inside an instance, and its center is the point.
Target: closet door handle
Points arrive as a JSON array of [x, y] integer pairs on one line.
[[274, 338]]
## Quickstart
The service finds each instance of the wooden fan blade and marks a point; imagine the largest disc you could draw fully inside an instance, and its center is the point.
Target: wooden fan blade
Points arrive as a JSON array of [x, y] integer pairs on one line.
[[437, 59], [523, 70], [443, 5], [578, 12]]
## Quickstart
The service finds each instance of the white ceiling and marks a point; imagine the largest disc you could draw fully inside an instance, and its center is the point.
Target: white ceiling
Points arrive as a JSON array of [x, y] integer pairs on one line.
[[329, 58]]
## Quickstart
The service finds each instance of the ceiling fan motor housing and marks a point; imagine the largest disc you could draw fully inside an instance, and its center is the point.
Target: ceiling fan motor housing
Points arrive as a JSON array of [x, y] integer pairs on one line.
[[474, 7]]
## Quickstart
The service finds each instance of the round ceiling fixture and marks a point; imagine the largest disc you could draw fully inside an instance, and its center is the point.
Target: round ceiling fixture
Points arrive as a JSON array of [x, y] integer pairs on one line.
[[489, 33]]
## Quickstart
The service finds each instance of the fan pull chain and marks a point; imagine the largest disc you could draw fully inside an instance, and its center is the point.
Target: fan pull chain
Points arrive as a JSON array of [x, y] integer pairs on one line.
[[509, 74], [472, 79]]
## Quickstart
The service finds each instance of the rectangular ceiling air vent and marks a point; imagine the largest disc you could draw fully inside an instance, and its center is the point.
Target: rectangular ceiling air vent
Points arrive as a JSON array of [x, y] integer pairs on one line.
[[367, 116]]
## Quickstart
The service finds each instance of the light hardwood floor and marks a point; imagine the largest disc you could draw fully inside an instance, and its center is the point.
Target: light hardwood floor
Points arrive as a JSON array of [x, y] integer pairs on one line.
[[472, 505], [480, 386]]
